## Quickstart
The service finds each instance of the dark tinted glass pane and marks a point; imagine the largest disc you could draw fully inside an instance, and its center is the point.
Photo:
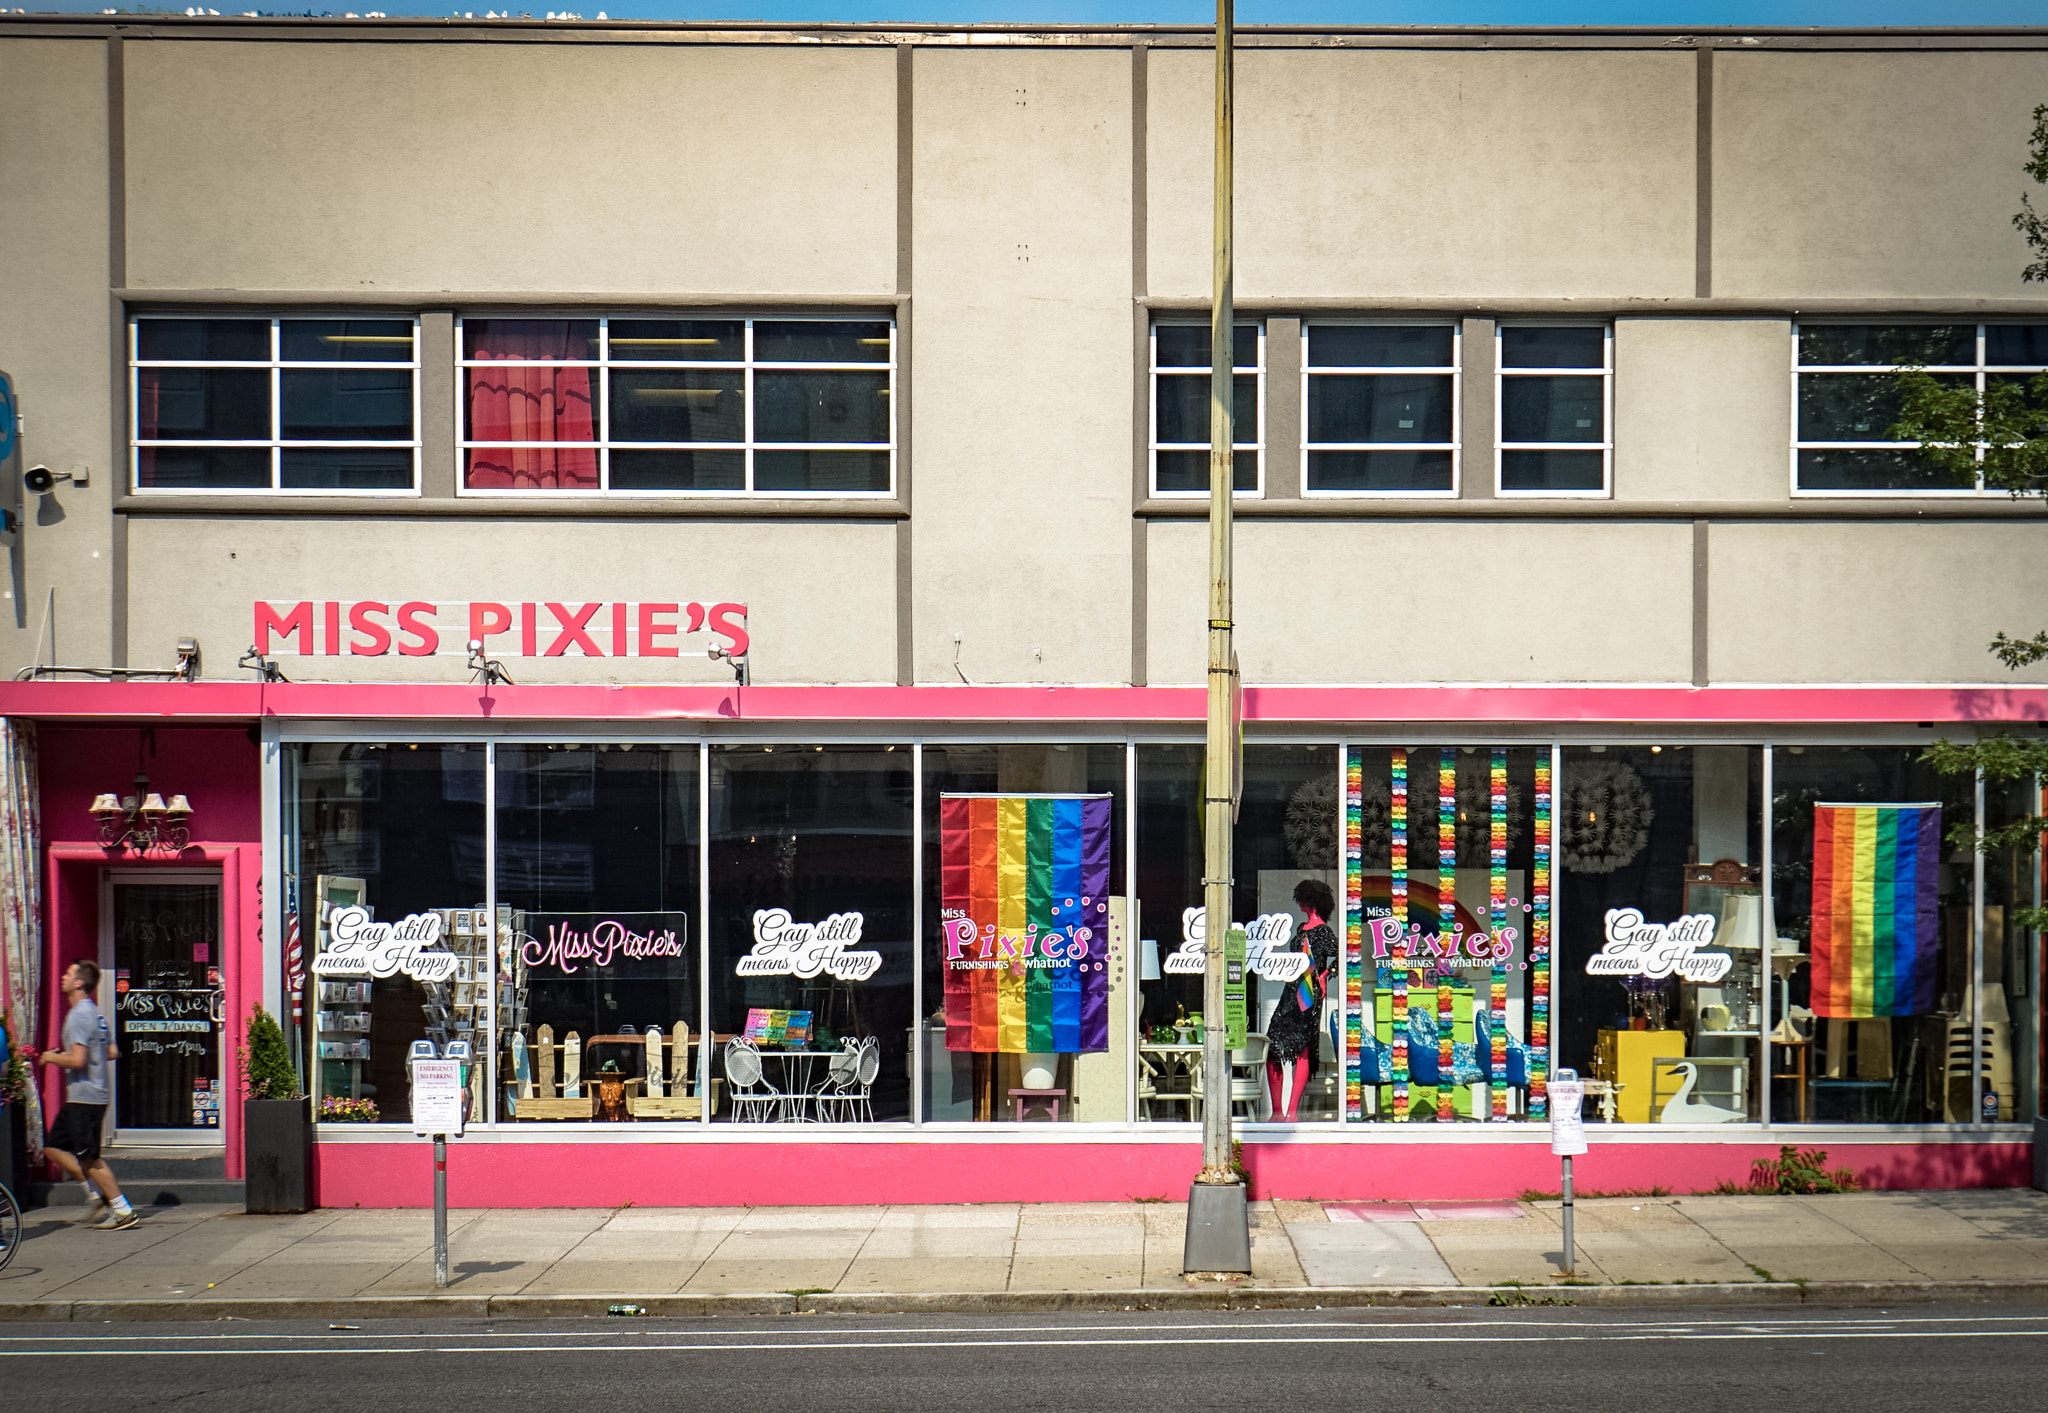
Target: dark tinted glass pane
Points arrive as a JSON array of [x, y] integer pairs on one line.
[[191, 340], [345, 340], [1385, 407], [203, 404], [1873, 470], [679, 340], [1522, 347], [2022, 344], [346, 469], [1189, 471], [821, 470], [1885, 344], [785, 341], [1184, 409], [347, 405], [1551, 471], [206, 467], [529, 338], [1379, 471], [1378, 346], [821, 407], [1551, 410], [681, 470], [1187, 345], [1853, 407], [688, 406]]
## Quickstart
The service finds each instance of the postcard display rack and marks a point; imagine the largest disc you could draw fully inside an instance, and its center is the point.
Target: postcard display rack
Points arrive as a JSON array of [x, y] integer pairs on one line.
[[460, 1009]]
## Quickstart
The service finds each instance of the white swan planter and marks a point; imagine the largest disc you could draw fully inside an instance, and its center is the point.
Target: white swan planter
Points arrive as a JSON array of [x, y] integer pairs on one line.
[[1682, 1108]]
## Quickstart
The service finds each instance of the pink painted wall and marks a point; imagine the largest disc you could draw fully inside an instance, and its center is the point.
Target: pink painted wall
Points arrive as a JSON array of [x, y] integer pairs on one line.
[[217, 769], [711, 1174]]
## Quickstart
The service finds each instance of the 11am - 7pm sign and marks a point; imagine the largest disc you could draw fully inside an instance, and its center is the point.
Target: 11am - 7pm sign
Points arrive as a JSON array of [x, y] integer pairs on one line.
[[376, 627]]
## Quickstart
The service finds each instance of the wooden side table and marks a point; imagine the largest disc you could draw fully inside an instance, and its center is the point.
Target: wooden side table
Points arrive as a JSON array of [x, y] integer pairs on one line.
[[1793, 1057], [1023, 1099]]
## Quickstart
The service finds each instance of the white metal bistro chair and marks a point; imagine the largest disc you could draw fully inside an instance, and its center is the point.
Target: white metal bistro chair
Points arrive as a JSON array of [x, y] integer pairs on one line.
[[754, 1100], [839, 1091], [1247, 1080]]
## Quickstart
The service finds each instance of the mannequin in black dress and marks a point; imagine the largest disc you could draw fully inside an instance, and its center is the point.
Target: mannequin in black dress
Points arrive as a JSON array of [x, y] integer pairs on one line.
[[1293, 1033]]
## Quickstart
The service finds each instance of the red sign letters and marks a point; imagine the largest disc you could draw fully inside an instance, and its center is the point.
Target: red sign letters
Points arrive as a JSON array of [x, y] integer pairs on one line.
[[373, 628]]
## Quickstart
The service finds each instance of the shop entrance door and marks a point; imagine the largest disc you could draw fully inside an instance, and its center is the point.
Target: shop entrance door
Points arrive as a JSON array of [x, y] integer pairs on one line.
[[160, 964]]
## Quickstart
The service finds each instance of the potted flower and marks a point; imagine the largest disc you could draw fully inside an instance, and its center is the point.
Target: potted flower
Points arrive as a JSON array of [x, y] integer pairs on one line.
[[277, 1129], [335, 1109]]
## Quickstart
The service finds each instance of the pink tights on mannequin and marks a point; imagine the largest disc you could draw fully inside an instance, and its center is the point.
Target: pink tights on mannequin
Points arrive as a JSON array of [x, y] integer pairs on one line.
[[1286, 1095]]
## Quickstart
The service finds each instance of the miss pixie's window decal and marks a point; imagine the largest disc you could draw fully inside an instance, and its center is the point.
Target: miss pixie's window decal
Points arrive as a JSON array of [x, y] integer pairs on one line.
[[358, 946], [786, 947], [1659, 949], [1025, 922], [571, 942], [377, 627], [1263, 936]]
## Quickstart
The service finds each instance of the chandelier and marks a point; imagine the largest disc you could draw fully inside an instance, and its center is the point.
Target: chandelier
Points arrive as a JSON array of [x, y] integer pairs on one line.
[[143, 821]]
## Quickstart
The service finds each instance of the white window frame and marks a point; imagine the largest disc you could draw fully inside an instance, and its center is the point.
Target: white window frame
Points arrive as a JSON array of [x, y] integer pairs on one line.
[[604, 364], [1155, 372], [1455, 446], [276, 442], [1605, 372], [1980, 370]]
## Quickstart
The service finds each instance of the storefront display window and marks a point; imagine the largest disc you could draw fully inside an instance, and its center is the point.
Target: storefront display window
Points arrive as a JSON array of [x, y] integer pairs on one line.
[[388, 938], [597, 888], [1286, 834], [1447, 891], [1660, 931], [811, 951], [1028, 1020]]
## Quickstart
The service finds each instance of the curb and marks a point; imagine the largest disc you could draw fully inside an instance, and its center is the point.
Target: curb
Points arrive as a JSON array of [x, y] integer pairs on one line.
[[558, 1307]]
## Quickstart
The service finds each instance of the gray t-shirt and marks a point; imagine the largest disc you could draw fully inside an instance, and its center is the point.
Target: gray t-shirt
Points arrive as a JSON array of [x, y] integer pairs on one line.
[[86, 1026]]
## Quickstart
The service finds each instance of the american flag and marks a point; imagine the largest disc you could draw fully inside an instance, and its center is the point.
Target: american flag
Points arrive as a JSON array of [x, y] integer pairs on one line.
[[294, 953]]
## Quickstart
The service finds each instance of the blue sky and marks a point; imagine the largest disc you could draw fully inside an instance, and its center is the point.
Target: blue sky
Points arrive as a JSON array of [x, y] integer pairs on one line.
[[1762, 13]]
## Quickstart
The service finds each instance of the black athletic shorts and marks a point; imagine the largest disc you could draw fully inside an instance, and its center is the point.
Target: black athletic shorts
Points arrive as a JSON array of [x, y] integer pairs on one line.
[[77, 1131]]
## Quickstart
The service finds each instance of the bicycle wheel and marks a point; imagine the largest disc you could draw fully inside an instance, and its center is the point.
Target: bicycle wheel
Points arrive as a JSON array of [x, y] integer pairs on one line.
[[10, 1226]]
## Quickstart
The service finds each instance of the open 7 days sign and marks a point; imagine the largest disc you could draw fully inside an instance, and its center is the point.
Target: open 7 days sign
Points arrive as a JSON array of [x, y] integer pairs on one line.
[[375, 627]]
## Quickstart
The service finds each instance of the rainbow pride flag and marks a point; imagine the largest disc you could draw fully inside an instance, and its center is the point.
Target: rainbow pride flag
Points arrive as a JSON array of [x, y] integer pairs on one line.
[[1874, 899], [1024, 922]]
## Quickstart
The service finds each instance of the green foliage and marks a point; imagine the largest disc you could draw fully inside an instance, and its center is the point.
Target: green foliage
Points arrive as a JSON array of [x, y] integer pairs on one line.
[[14, 1077], [2002, 432], [2027, 223], [1800, 1172], [266, 1061]]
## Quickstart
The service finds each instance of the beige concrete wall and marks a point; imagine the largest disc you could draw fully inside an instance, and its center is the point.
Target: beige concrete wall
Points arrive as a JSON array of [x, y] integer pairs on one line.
[[1431, 601], [820, 598], [55, 332], [1872, 603], [1873, 175], [1461, 174], [1702, 410], [1021, 351], [527, 167]]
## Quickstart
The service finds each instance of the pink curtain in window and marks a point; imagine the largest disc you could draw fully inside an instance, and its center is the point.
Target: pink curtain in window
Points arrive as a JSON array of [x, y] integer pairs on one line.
[[531, 404]]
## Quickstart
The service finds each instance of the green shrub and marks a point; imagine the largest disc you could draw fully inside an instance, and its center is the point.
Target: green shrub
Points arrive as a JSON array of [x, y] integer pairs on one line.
[[1800, 1172], [266, 1062]]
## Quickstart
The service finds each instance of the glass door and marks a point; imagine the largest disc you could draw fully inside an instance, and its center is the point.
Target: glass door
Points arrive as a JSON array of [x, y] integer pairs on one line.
[[161, 960]]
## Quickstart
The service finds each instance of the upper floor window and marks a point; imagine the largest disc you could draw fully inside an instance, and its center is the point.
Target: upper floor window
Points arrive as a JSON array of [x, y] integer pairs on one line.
[[1554, 407], [1381, 409], [1848, 398], [315, 404], [1180, 409], [724, 406]]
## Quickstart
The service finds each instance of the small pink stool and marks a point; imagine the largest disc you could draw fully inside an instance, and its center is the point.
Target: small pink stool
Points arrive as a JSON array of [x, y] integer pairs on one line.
[[1024, 1098]]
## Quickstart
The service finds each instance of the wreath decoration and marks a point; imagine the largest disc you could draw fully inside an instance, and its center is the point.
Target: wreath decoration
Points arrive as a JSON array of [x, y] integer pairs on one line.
[[1605, 817]]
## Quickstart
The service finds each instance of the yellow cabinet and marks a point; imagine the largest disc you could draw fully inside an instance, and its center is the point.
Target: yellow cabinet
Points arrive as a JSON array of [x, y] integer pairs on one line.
[[1629, 1058]]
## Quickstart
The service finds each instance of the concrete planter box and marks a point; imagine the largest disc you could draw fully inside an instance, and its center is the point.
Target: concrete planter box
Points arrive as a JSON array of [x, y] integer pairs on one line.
[[277, 1154]]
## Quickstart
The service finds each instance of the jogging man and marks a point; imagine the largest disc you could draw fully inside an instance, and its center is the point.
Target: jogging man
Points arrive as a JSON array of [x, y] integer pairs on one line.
[[73, 1140]]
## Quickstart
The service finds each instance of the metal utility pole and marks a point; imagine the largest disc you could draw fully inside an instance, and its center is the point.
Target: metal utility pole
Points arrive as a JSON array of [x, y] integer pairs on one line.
[[1219, 1232]]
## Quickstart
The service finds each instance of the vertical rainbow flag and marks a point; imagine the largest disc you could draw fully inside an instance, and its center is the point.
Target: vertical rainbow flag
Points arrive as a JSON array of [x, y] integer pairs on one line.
[[1875, 893], [1024, 921]]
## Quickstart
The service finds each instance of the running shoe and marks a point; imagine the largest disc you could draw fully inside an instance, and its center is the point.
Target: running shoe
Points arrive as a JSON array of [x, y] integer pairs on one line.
[[110, 1220]]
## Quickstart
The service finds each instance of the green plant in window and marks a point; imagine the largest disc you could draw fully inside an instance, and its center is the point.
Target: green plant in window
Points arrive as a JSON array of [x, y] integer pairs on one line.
[[266, 1062], [14, 1073]]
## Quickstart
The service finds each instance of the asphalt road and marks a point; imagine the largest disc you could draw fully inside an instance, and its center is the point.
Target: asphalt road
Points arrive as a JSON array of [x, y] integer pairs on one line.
[[1472, 1360]]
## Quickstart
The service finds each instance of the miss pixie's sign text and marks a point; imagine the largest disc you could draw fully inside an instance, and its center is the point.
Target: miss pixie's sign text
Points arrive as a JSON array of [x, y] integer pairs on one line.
[[569, 949], [376, 627]]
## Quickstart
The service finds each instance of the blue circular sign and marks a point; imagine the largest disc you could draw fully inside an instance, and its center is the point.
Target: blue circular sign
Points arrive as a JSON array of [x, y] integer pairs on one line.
[[7, 418]]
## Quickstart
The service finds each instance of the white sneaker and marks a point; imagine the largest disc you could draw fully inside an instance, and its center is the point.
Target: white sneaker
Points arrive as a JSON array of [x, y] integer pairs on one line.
[[95, 1208], [110, 1220]]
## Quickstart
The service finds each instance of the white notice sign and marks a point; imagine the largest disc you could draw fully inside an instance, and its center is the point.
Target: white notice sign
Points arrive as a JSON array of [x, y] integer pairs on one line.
[[437, 1097], [1567, 1124]]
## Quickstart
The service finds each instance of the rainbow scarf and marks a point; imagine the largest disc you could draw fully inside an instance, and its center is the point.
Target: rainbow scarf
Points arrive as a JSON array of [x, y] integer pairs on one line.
[[1875, 894], [1024, 921]]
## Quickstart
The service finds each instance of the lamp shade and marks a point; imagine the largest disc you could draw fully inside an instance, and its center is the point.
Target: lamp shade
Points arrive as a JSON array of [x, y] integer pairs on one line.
[[154, 804], [106, 804], [179, 807]]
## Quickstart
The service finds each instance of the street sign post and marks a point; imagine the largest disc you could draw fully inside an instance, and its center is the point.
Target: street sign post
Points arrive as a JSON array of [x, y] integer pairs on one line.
[[1567, 1138], [437, 1097]]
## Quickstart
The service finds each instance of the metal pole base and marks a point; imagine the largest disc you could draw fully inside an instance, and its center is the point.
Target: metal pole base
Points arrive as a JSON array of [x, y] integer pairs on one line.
[[1219, 1230]]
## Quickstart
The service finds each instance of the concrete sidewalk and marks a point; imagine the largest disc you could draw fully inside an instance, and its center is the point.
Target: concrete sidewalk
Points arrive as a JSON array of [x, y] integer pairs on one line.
[[191, 1260]]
